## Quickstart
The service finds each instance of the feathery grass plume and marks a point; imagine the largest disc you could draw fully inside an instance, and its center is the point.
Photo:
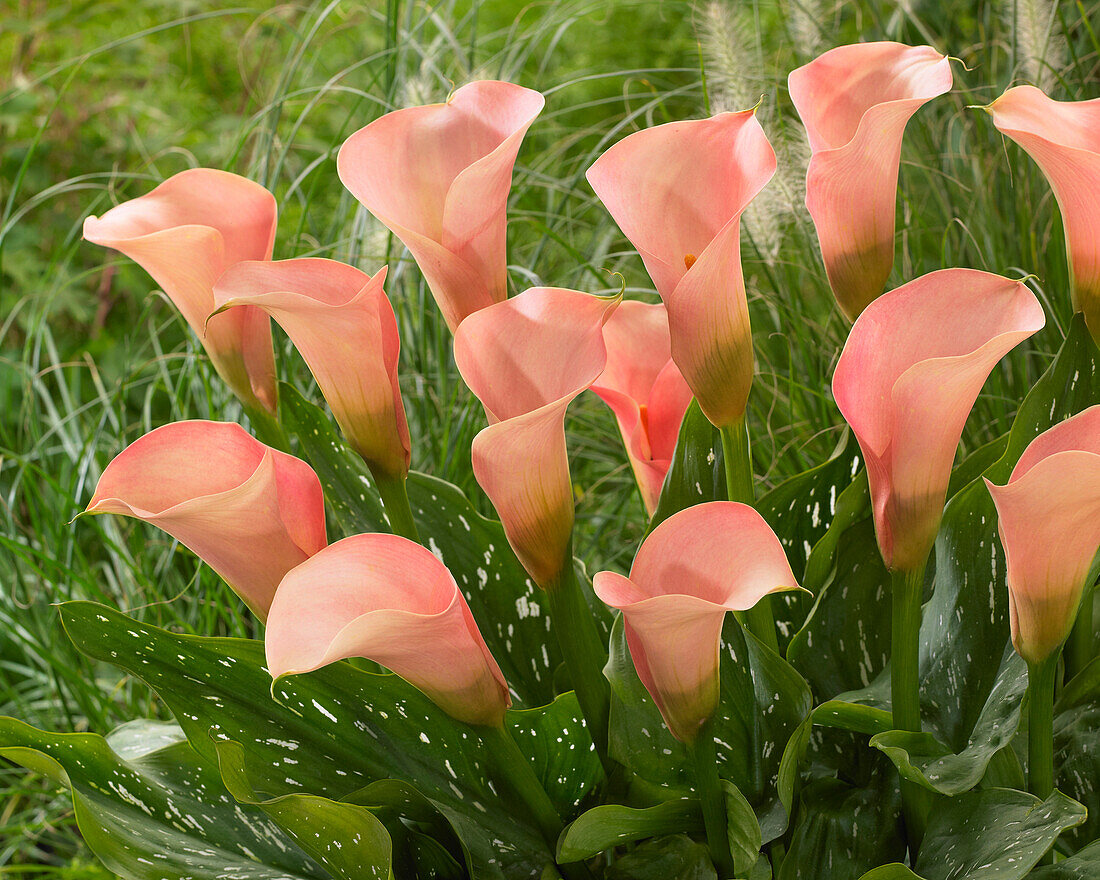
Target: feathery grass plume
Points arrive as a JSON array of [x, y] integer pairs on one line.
[[737, 78], [805, 21], [1040, 46]]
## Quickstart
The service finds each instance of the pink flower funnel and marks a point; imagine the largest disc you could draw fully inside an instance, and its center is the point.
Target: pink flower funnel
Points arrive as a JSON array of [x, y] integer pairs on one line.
[[342, 323], [520, 460], [248, 511], [1049, 522], [678, 191], [185, 233], [855, 102], [909, 374], [388, 599], [645, 390], [694, 567], [1063, 137], [438, 177]]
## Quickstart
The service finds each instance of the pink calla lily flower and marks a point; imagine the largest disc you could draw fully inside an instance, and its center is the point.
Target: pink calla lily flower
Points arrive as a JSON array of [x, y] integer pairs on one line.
[[248, 511], [855, 102], [185, 233], [694, 567], [526, 359], [909, 374], [388, 599], [342, 323], [646, 391], [438, 177], [1049, 522], [678, 191], [1063, 137]]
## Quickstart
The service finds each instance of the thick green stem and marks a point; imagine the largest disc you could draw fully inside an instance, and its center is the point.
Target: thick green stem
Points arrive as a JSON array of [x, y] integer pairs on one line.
[[267, 428], [1079, 649], [584, 652], [395, 500], [739, 487], [709, 787], [1040, 732], [908, 587], [514, 773]]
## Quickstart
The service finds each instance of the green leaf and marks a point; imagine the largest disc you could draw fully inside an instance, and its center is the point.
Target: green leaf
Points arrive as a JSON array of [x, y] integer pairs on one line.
[[763, 702], [696, 474], [1077, 758], [160, 812], [611, 825], [893, 871], [742, 829], [993, 834], [509, 608], [844, 831], [328, 733], [800, 511], [348, 840], [1084, 865], [922, 758], [669, 858]]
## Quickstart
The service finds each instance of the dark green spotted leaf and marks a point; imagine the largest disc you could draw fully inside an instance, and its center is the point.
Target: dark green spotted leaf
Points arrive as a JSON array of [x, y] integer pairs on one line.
[[893, 871], [742, 830], [329, 733], [925, 760], [764, 700], [993, 834], [611, 825], [696, 474], [157, 811], [348, 840], [1084, 865], [1077, 748], [509, 608], [844, 831]]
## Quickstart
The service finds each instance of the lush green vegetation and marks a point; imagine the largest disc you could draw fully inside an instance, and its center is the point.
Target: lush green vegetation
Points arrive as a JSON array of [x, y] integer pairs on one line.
[[99, 100]]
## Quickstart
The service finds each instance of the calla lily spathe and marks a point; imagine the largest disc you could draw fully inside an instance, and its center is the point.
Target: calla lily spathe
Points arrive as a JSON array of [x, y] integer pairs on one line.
[[855, 102], [388, 599], [1063, 137], [1049, 522], [248, 511], [646, 391], [910, 371], [678, 191], [438, 177], [526, 359], [342, 323], [694, 567], [185, 233]]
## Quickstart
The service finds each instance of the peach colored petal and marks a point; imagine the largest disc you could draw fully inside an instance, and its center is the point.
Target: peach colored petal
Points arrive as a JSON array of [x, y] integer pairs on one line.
[[438, 177], [342, 323], [250, 512], [1049, 523], [694, 567], [1063, 137], [388, 599], [678, 191], [910, 371], [645, 390], [526, 359], [855, 102], [185, 233]]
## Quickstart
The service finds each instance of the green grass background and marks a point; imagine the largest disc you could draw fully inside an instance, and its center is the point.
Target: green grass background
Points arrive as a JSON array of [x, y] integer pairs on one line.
[[101, 100]]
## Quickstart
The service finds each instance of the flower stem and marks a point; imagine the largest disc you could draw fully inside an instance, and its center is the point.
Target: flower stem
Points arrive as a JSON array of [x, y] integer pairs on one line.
[[739, 487], [584, 653], [395, 500], [1040, 732], [709, 787], [907, 589], [267, 428], [516, 775], [1079, 649]]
